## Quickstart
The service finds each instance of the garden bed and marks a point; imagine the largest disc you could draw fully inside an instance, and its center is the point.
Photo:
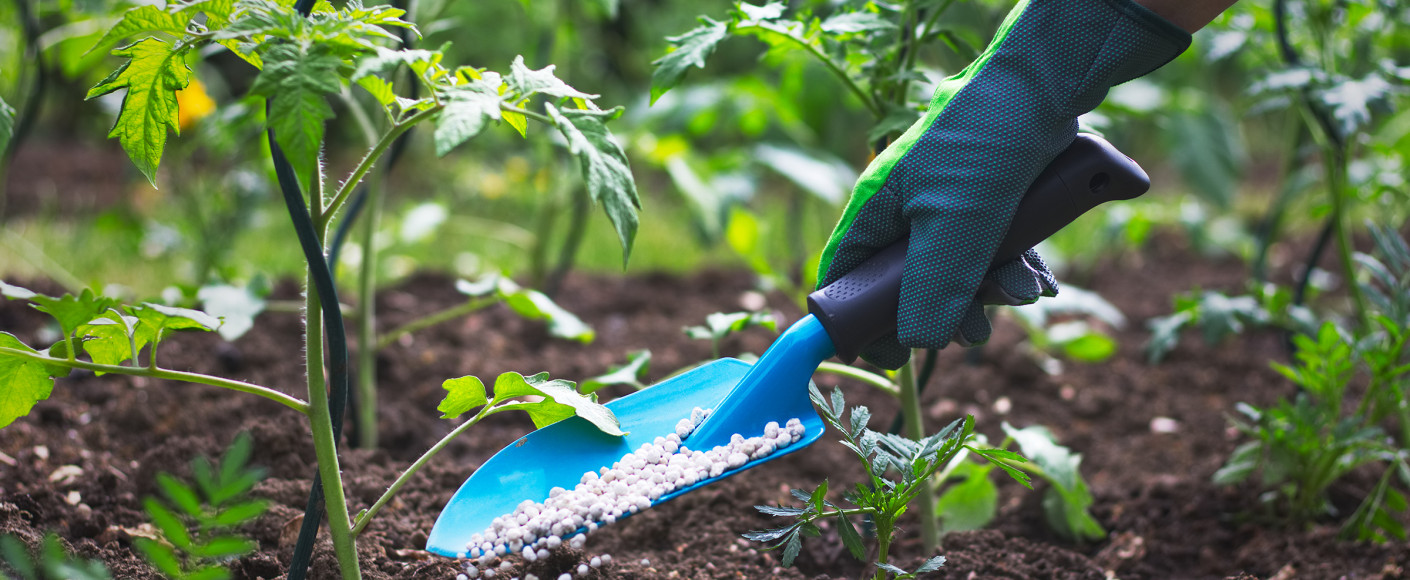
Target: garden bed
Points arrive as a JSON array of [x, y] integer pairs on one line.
[[1152, 488]]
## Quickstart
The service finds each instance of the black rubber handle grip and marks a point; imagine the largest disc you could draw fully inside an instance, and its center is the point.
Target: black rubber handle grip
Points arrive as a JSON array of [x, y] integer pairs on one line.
[[861, 306]]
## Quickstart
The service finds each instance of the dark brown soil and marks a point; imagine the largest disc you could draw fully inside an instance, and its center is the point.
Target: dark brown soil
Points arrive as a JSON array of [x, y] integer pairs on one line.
[[1153, 490]]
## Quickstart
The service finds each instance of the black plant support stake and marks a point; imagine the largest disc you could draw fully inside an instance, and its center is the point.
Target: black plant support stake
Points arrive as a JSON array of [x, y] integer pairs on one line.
[[322, 278]]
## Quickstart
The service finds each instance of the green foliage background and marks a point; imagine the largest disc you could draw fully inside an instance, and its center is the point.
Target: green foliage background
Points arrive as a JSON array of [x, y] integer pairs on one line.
[[739, 133]]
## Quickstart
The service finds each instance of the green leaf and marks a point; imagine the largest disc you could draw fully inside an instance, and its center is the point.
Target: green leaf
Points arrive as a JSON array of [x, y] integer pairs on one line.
[[1241, 463], [719, 325], [7, 126], [1068, 501], [819, 497], [525, 82], [239, 513], [850, 537], [854, 22], [970, 504], [110, 340], [931, 565], [180, 494], [535, 305], [160, 556], [892, 569], [1165, 334], [826, 177], [232, 488], [72, 311], [166, 318], [999, 456], [295, 79], [57, 563], [17, 556], [22, 382], [463, 395], [769, 11], [769, 535], [223, 547], [380, 89], [171, 526], [202, 473], [604, 167], [152, 74], [780, 511], [1092, 346], [792, 546], [15, 292], [468, 108], [143, 19], [690, 50], [232, 466], [632, 373], [560, 401]]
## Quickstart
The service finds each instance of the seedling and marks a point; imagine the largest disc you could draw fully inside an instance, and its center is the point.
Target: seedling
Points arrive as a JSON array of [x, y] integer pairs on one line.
[[1300, 448], [219, 504], [51, 562], [720, 325], [881, 500]]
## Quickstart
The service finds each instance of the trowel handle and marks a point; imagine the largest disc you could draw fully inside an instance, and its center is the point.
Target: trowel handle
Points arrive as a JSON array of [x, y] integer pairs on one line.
[[861, 306]]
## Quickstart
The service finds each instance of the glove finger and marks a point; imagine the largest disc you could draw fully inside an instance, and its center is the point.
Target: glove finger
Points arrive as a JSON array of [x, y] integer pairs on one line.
[[1045, 276], [974, 328], [887, 353], [1012, 284]]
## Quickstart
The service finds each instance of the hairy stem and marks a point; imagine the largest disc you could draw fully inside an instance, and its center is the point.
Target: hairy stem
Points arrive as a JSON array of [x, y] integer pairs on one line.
[[324, 445], [160, 373], [884, 530], [345, 190]]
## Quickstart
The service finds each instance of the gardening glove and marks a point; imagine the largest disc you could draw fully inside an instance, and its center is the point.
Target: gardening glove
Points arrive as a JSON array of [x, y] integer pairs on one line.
[[954, 179]]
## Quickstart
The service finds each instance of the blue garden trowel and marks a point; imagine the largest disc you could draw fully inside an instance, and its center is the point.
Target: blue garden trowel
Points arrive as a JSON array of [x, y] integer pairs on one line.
[[844, 317]]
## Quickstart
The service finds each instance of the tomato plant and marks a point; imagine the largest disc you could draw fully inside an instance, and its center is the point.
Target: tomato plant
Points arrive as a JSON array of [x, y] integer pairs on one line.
[[306, 54]]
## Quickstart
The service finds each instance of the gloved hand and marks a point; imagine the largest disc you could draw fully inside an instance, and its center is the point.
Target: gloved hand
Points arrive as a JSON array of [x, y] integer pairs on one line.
[[954, 179]]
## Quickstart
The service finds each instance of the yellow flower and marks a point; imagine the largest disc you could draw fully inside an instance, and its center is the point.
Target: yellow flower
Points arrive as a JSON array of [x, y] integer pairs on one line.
[[192, 103]]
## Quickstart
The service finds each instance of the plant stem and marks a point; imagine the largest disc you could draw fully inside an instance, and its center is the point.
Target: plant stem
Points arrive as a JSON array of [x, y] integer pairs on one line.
[[1336, 185], [324, 445], [869, 378], [367, 162], [433, 319], [884, 529], [159, 373], [910, 405], [365, 517], [540, 117], [367, 322]]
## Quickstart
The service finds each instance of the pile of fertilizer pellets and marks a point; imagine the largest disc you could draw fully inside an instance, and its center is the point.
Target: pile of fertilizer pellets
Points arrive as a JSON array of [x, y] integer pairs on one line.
[[535, 529]]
